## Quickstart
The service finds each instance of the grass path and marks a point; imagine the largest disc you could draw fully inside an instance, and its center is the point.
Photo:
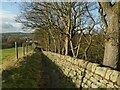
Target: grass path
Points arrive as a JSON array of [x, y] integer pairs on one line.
[[32, 72], [35, 71], [8, 57], [27, 75]]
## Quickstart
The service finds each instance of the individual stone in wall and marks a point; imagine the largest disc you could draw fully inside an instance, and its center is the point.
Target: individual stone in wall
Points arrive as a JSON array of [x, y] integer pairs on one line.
[[118, 79], [101, 71], [113, 76]]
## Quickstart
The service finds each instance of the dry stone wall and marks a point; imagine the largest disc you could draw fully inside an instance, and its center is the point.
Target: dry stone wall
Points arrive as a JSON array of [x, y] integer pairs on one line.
[[86, 74]]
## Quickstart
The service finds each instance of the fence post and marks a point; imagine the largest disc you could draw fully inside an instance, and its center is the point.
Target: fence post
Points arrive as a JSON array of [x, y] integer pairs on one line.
[[16, 50], [23, 49], [26, 47]]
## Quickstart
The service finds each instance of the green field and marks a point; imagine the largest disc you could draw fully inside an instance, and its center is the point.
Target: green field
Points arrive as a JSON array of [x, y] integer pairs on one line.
[[9, 53]]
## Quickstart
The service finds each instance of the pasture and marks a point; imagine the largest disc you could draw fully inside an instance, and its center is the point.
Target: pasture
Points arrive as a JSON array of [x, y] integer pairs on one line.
[[7, 54]]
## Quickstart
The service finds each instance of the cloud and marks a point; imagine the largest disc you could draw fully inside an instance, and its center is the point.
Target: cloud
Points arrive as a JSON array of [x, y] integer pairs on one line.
[[8, 22], [7, 27]]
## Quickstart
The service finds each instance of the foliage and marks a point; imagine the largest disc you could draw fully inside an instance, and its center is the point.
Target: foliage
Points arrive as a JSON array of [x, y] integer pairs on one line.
[[9, 39]]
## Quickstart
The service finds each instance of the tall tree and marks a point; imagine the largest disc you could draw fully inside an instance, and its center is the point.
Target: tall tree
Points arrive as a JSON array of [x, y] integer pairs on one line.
[[62, 26], [112, 40]]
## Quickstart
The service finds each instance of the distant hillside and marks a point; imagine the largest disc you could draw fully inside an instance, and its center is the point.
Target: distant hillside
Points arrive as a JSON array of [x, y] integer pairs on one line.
[[8, 39], [17, 34]]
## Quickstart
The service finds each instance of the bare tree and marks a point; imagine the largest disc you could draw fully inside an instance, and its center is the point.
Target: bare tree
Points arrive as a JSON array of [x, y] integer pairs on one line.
[[67, 28], [112, 40]]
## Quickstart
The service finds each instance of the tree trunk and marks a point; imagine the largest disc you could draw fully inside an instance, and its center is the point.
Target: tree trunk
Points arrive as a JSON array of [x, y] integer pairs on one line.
[[87, 48], [66, 45], [71, 45], [111, 54], [67, 31], [118, 65], [59, 44], [78, 47], [112, 41], [48, 42], [55, 47]]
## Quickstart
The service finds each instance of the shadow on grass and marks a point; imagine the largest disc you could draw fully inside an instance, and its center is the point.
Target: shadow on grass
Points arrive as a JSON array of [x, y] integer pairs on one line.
[[27, 75], [35, 71]]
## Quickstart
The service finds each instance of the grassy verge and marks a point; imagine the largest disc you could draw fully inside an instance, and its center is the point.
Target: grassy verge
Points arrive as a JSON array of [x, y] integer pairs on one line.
[[9, 53], [27, 75], [35, 72]]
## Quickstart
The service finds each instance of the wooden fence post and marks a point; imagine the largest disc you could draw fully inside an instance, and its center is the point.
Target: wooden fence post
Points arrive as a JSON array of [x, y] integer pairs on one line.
[[16, 50], [23, 49], [26, 47]]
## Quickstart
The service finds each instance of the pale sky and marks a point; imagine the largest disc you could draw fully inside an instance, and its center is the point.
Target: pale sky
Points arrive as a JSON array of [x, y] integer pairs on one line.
[[9, 11]]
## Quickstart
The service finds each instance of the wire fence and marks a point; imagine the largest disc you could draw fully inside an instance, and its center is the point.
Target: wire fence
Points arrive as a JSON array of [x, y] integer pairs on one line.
[[26, 49]]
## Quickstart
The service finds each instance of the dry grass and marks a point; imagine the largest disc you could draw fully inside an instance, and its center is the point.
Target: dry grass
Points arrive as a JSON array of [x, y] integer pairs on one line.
[[12, 61]]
